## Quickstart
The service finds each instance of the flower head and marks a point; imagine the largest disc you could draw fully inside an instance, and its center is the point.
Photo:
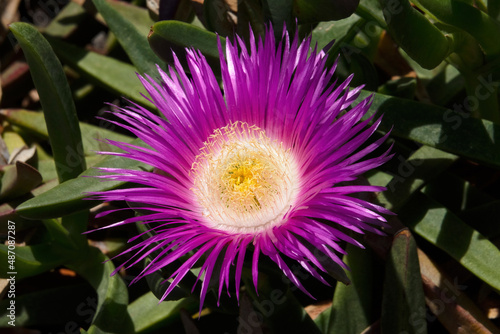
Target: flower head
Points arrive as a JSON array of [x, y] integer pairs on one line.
[[261, 167]]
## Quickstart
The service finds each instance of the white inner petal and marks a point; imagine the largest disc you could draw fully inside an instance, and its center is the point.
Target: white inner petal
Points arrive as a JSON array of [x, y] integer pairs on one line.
[[244, 181]]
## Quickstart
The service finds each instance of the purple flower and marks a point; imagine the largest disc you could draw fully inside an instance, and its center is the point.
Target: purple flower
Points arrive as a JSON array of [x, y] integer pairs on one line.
[[263, 167]]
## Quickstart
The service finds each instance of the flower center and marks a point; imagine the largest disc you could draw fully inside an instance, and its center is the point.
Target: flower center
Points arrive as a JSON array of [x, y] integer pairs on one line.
[[244, 181]]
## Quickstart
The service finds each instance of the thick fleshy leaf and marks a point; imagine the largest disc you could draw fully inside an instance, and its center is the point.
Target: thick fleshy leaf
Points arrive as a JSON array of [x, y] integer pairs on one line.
[[68, 197], [56, 100], [67, 21], [31, 260], [17, 180], [76, 223], [410, 29], [402, 87], [438, 127], [469, 18], [59, 234], [340, 32], [92, 135], [10, 141], [484, 218], [147, 314], [60, 117], [403, 303], [456, 194], [352, 310], [312, 11], [137, 16], [111, 74], [478, 209], [371, 11], [168, 36], [445, 85], [112, 295], [445, 230], [413, 173], [7, 213], [47, 167], [133, 41]]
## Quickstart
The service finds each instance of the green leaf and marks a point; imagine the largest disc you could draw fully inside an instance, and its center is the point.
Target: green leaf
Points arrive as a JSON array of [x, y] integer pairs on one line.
[[313, 11], [139, 17], [113, 75], [168, 36], [484, 218], [112, 295], [76, 224], [445, 230], [10, 141], [68, 197], [438, 127], [91, 135], [56, 100], [352, 310], [403, 302], [371, 11], [31, 260], [58, 233], [132, 40], [341, 32], [7, 213], [413, 173], [148, 313], [456, 194], [468, 18], [67, 21], [17, 180], [32, 121], [415, 34], [47, 167], [404, 87], [445, 85]]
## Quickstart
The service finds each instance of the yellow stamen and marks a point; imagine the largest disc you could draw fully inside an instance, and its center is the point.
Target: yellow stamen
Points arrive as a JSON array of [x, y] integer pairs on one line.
[[243, 180]]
